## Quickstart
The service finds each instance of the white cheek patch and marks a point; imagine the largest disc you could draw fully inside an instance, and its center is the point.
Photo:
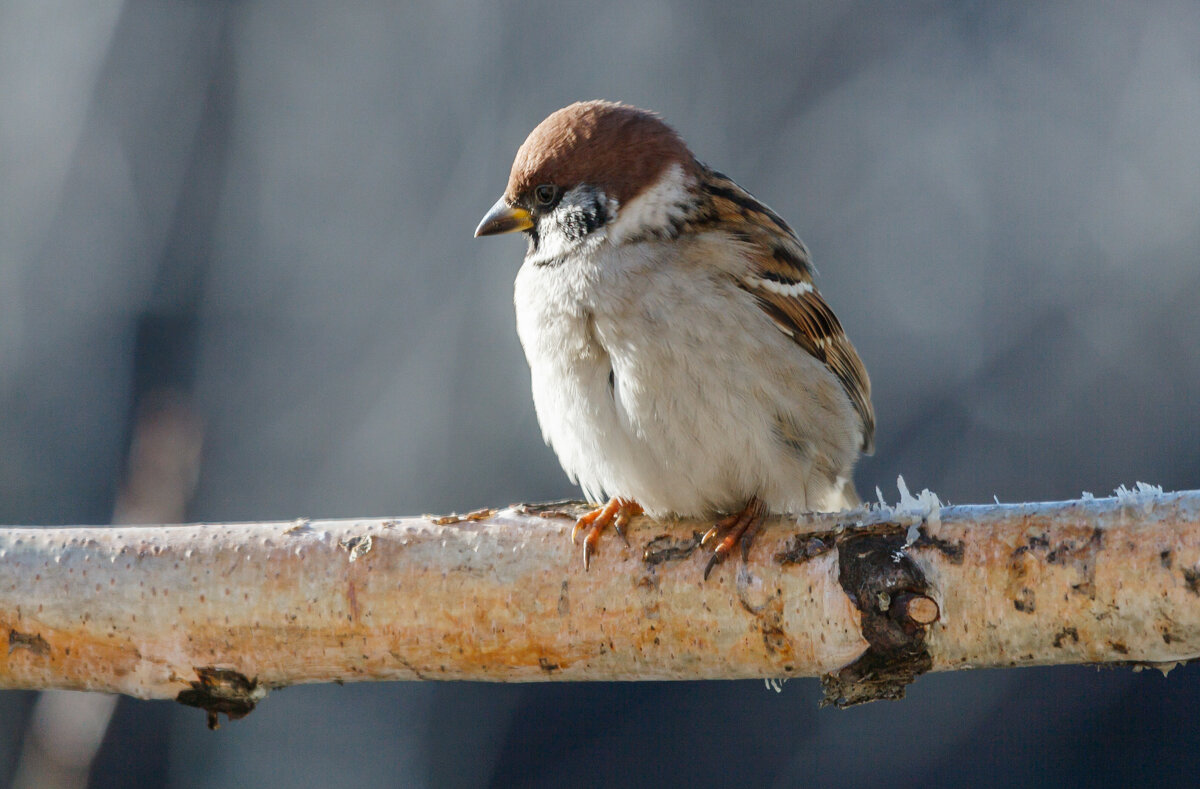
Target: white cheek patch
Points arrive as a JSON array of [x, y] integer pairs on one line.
[[553, 241], [656, 208]]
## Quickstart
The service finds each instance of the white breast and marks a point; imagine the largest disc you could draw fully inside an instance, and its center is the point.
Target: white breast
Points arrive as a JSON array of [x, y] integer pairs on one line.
[[701, 382]]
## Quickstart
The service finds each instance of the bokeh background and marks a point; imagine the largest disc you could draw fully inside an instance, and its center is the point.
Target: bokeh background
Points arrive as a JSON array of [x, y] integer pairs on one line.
[[237, 282]]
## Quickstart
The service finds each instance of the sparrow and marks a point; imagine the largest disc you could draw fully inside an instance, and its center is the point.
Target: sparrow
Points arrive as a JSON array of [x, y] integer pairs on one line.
[[683, 362]]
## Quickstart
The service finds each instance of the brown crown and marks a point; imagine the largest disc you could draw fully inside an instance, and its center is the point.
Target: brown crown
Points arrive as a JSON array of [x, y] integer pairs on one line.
[[615, 147]]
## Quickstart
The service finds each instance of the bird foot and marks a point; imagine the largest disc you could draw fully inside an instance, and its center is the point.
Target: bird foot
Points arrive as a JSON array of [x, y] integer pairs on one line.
[[735, 529], [617, 513]]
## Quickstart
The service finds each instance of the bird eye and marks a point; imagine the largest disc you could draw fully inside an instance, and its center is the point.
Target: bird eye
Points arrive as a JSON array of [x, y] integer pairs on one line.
[[545, 194]]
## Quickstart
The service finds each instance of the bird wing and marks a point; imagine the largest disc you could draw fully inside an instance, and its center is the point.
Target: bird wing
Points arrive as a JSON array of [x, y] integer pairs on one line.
[[780, 278]]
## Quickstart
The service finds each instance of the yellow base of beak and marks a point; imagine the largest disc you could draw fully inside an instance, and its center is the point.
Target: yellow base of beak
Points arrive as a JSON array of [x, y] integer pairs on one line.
[[504, 218]]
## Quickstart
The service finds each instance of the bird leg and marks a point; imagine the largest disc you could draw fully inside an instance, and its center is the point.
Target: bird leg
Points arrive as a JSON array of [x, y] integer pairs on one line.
[[739, 527], [617, 512]]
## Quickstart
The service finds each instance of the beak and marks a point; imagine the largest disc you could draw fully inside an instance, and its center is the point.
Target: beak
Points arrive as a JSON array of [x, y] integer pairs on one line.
[[504, 218]]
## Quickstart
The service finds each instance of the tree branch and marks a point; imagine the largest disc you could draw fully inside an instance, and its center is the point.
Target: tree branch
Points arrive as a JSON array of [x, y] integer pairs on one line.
[[214, 615]]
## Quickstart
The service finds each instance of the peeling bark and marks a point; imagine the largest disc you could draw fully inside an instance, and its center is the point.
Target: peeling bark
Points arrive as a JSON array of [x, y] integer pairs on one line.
[[215, 615]]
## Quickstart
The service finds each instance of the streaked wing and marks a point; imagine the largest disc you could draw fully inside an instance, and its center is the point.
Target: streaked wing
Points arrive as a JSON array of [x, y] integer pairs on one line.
[[780, 278]]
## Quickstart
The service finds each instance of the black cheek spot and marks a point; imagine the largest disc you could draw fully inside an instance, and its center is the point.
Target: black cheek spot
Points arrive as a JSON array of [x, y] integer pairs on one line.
[[575, 225], [584, 219]]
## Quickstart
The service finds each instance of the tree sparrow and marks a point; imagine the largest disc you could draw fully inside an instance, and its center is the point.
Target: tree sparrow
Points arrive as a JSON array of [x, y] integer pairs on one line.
[[683, 362]]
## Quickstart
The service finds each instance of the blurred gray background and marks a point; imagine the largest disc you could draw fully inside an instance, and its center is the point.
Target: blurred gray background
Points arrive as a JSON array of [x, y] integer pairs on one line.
[[260, 213]]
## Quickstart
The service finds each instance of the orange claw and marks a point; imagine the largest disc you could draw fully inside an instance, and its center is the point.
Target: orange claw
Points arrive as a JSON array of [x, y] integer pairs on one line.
[[618, 512], [737, 528]]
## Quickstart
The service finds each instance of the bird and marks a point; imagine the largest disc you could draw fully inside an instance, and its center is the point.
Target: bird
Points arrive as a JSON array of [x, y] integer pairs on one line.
[[682, 360]]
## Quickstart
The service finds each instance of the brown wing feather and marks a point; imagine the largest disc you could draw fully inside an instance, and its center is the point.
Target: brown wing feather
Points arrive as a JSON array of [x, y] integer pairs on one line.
[[781, 280]]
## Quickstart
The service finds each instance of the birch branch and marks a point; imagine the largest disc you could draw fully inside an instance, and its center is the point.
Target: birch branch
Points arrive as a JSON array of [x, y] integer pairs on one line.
[[215, 615]]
